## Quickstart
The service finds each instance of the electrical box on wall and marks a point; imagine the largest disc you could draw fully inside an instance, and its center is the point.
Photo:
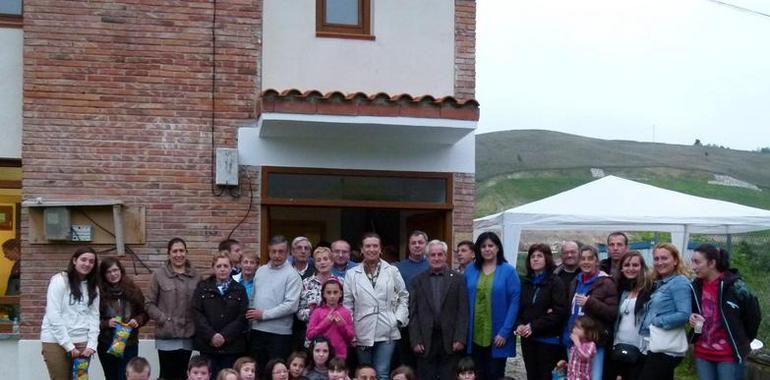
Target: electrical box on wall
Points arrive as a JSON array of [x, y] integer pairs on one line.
[[56, 223], [227, 167], [81, 232]]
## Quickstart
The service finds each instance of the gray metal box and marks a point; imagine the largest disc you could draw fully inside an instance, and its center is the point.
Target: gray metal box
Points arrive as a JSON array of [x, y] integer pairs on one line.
[[227, 167], [56, 223]]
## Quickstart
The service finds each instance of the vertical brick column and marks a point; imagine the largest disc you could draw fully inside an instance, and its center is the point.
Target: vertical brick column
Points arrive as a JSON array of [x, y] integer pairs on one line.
[[462, 214], [465, 49]]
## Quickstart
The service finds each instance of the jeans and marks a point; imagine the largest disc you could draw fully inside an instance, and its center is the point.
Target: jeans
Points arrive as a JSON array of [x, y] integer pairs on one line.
[[113, 366], [598, 364], [378, 356], [708, 370]]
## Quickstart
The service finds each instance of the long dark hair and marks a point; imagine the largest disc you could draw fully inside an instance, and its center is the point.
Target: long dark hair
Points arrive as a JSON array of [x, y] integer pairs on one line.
[[496, 241], [720, 256], [313, 343], [132, 292], [92, 278]]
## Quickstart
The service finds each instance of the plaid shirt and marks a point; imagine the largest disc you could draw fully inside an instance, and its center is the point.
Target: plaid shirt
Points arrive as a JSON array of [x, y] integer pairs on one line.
[[580, 359], [310, 297]]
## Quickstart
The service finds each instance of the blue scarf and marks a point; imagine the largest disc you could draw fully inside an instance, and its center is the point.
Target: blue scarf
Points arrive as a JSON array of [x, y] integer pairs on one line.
[[582, 288]]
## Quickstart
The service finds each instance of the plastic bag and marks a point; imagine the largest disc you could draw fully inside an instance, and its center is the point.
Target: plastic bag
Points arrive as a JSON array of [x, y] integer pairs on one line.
[[80, 368], [119, 339]]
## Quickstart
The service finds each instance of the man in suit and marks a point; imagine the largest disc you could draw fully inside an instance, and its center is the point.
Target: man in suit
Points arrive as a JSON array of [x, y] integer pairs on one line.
[[438, 307]]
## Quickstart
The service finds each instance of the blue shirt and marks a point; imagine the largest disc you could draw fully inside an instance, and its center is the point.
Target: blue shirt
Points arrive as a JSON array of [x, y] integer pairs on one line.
[[341, 273], [248, 284], [670, 304], [410, 269]]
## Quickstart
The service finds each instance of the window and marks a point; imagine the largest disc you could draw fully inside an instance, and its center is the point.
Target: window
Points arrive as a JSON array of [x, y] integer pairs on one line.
[[10, 14], [344, 19]]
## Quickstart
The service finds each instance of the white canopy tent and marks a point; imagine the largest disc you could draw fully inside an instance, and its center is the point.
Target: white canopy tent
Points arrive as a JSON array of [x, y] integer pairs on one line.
[[616, 204]]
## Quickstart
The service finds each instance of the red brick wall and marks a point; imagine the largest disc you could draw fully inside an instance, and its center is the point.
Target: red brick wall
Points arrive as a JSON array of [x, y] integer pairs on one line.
[[462, 214], [465, 49], [117, 104]]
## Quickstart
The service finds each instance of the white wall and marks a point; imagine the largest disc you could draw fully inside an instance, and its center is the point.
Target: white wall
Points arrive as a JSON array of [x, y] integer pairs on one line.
[[11, 77], [413, 51]]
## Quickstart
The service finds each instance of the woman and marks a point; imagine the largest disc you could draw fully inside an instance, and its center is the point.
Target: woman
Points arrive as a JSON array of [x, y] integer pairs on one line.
[[625, 359], [168, 303], [466, 254], [542, 311], [669, 309], [593, 293], [311, 287], [219, 309], [121, 302], [70, 327], [493, 298], [376, 295], [726, 317]]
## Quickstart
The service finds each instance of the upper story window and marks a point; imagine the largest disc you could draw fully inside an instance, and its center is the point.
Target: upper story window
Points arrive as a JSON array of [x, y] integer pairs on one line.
[[344, 19], [10, 13]]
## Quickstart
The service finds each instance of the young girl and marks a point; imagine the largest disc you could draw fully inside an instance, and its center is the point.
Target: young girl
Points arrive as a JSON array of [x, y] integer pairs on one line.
[[227, 374], [338, 369], [585, 334], [466, 369], [246, 367], [331, 319], [403, 373], [276, 370], [321, 351], [297, 363], [71, 322]]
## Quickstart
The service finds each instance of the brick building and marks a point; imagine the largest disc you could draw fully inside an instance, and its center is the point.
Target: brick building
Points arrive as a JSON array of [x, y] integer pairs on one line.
[[345, 119]]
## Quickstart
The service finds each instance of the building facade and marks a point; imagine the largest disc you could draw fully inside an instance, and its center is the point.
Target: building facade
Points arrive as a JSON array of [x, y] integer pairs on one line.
[[339, 117]]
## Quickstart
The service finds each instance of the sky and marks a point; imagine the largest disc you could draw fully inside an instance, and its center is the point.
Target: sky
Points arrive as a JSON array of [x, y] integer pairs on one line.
[[667, 71]]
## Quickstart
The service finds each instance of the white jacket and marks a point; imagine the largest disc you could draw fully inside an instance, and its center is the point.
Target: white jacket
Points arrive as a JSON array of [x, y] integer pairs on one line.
[[67, 322], [377, 311]]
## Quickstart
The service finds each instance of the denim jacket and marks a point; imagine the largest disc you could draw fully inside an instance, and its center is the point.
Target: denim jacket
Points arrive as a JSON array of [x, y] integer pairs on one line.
[[670, 304]]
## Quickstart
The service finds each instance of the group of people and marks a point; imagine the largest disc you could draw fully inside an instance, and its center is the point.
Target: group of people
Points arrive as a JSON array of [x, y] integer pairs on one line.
[[314, 316]]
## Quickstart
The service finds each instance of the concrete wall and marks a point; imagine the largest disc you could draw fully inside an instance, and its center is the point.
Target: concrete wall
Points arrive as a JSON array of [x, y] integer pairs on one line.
[[413, 51], [11, 49]]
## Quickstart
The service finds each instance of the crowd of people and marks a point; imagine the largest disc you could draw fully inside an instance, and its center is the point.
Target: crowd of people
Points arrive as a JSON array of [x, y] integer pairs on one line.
[[323, 316]]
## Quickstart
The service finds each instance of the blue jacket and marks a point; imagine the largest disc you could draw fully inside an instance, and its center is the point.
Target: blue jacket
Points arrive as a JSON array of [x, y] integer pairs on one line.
[[670, 304], [506, 290]]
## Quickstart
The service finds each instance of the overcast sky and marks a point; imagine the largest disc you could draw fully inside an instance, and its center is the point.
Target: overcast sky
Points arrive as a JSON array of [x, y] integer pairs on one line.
[[648, 70]]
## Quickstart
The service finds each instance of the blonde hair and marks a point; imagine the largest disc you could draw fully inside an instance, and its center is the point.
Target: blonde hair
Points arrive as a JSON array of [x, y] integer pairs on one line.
[[322, 250], [680, 268], [221, 255], [222, 375], [250, 255]]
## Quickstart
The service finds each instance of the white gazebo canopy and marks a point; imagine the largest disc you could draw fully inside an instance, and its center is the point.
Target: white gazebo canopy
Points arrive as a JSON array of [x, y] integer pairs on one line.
[[616, 204]]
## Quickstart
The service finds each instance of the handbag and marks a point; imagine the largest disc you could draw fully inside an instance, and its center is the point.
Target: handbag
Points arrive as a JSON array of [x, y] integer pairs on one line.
[[672, 341], [625, 353]]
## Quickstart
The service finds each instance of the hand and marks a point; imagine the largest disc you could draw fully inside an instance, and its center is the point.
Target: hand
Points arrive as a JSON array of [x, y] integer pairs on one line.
[[526, 330], [575, 339], [499, 341], [75, 353], [217, 340], [419, 349], [254, 314], [581, 299], [133, 323], [695, 319], [112, 322], [458, 346], [87, 353]]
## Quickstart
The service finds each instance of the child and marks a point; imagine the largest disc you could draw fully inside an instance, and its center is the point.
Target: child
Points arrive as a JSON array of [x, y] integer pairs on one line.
[[246, 367], [403, 373], [198, 368], [366, 372], [585, 334], [227, 374], [338, 369], [321, 351], [276, 370], [331, 319], [297, 364], [138, 368], [466, 369]]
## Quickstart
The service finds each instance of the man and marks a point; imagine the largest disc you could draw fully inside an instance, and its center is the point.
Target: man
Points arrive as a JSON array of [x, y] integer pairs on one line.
[[300, 254], [436, 338], [198, 368], [233, 249], [466, 255], [138, 368], [341, 258], [617, 245], [273, 305], [12, 251], [570, 258], [249, 265], [414, 264]]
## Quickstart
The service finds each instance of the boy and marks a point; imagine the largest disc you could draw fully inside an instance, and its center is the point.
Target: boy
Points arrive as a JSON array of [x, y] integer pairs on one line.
[[138, 368], [198, 368]]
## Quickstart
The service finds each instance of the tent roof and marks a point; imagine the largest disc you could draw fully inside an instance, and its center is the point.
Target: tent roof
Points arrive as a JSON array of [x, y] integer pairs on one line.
[[613, 203]]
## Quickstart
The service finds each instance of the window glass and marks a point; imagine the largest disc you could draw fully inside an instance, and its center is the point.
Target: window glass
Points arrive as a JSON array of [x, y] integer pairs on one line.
[[10, 7], [343, 12], [357, 188]]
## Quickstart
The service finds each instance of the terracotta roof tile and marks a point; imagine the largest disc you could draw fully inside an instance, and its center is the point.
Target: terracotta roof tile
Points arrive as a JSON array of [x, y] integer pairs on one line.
[[360, 104]]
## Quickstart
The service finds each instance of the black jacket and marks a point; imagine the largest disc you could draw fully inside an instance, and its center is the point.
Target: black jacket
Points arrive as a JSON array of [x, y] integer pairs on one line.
[[544, 306], [738, 308], [224, 314]]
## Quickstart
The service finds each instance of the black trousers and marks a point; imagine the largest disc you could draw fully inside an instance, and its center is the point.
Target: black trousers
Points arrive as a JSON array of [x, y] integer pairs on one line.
[[115, 367], [437, 364], [487, 367], [173, 364], [539, 358], [265, 346], [404, 351], [659, 366], [627, 371]]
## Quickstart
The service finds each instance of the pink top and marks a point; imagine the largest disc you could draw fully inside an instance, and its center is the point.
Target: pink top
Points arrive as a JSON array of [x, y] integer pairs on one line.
[[581, 357], [340, 333]]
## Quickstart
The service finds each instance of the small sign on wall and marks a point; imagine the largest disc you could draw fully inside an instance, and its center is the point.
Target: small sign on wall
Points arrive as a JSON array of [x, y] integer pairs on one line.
[[6, 218]]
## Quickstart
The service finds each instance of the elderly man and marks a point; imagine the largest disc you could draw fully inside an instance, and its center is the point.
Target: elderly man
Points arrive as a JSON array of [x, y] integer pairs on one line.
[[275, 300], [617, 245], [341, 258], [437, 339], [301, 259], [570, 258]]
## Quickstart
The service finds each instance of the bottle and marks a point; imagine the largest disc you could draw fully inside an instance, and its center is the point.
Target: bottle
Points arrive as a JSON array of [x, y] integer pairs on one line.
[[15, 328]]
